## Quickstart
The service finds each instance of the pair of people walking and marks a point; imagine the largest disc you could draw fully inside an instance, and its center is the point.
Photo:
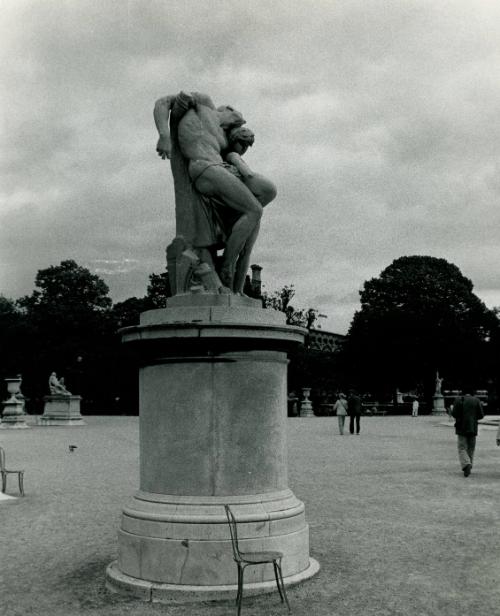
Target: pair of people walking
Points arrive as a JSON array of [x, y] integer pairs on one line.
[[352, 407]]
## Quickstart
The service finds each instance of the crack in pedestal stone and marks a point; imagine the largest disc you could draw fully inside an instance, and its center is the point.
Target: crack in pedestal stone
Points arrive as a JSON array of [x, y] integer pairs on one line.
[[185, 544]]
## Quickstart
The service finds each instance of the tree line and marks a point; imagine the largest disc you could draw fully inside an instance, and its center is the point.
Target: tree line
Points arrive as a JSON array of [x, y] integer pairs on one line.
[[419, 316]]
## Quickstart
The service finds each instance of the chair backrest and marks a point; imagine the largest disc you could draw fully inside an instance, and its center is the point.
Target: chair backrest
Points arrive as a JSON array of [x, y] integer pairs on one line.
[[234, 533], [2, 459]]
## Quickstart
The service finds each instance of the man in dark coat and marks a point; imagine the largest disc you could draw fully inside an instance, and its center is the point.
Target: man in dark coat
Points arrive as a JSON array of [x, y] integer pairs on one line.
[[354, 407], [467, 411]]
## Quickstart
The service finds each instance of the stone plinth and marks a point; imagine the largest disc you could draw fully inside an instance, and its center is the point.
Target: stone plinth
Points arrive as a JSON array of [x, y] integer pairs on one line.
[[306, 409], [213, 414], [438, 407], [61, 411], [13, 415]]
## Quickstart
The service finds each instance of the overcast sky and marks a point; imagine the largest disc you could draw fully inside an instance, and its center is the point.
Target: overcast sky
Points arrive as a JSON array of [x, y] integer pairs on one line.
[[378, 121]]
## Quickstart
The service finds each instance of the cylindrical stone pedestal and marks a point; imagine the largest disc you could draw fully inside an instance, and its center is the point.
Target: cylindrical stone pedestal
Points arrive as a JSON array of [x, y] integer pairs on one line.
[[438, 407], [213, 413]]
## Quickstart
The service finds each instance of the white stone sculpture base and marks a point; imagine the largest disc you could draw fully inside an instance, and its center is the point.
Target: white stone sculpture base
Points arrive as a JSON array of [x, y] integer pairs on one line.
[[438, 407], [212, 432], [13, 416], [306, 409], [61, 411]]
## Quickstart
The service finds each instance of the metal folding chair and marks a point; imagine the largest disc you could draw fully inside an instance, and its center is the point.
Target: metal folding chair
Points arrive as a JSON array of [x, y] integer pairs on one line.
[[243, 559], [5, 472]]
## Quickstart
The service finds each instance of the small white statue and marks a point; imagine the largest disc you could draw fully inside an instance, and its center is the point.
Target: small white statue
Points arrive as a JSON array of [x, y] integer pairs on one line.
[[439, 382], [56, 386]]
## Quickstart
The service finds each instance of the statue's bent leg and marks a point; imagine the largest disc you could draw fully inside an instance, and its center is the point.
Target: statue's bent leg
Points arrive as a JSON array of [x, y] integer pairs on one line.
[[261, 187], [243, 262], [217, 181]]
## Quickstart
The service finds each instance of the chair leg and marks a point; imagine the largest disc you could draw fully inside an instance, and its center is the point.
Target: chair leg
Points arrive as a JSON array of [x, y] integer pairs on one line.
[[283, 586], [241, 571], [21, 483], [278, 582], [239, 586]]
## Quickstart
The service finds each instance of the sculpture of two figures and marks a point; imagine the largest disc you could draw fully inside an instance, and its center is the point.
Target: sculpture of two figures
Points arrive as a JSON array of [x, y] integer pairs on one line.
[[57, 387], [219, 199]]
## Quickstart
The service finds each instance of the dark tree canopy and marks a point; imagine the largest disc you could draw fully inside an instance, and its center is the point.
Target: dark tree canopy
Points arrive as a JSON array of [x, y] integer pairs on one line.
[[67, 288], [128, 312], [68, 315], [8, 308], [308, 367], [420, 315], [13, 334], [158, 290]]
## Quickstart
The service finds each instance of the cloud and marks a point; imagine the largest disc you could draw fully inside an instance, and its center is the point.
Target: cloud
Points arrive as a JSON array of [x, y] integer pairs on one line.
[[377, 121]]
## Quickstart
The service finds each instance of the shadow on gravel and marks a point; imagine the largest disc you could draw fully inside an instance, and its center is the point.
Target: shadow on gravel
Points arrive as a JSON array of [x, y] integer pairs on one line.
[[86, 586]]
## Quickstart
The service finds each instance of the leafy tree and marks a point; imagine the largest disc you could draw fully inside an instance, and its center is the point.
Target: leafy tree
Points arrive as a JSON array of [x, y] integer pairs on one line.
[[69, 290], [280, 300], [308, 367], [8, 308], [158, 290], [69, 316], [14, 334], [420, 315], [127, 313]]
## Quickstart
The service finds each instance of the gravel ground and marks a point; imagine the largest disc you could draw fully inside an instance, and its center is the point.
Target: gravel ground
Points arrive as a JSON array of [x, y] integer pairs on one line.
[[396, 527]]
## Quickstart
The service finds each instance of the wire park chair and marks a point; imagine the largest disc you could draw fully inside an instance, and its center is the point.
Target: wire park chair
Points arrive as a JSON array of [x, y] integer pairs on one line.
[[5, 472], [243, 559]]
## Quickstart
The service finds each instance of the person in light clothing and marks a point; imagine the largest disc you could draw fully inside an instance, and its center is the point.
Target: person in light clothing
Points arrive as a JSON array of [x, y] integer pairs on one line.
[[414, 408], [340, 407]]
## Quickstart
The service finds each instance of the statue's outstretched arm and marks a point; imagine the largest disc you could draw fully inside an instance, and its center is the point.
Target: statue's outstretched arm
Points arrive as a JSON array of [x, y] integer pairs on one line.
[[161, 114]]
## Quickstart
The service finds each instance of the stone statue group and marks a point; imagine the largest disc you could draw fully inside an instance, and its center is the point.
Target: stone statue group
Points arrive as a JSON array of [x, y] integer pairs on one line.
[[219, 199], [57, 386]]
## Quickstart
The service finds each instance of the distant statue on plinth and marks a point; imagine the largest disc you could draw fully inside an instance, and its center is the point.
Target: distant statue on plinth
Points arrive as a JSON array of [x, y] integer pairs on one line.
[[57, 387], [438, 406], [439, 383], [61, 407], [218, 198]]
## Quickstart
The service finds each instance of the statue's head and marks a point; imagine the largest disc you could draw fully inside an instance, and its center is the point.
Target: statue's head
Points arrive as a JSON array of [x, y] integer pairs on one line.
[[241, 134], [240, 139], [229, 117]]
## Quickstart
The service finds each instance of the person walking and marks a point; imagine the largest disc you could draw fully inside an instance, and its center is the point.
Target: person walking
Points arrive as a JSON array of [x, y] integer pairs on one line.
[[354, 407], [340, 407], [414, 408], [467, 411]]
